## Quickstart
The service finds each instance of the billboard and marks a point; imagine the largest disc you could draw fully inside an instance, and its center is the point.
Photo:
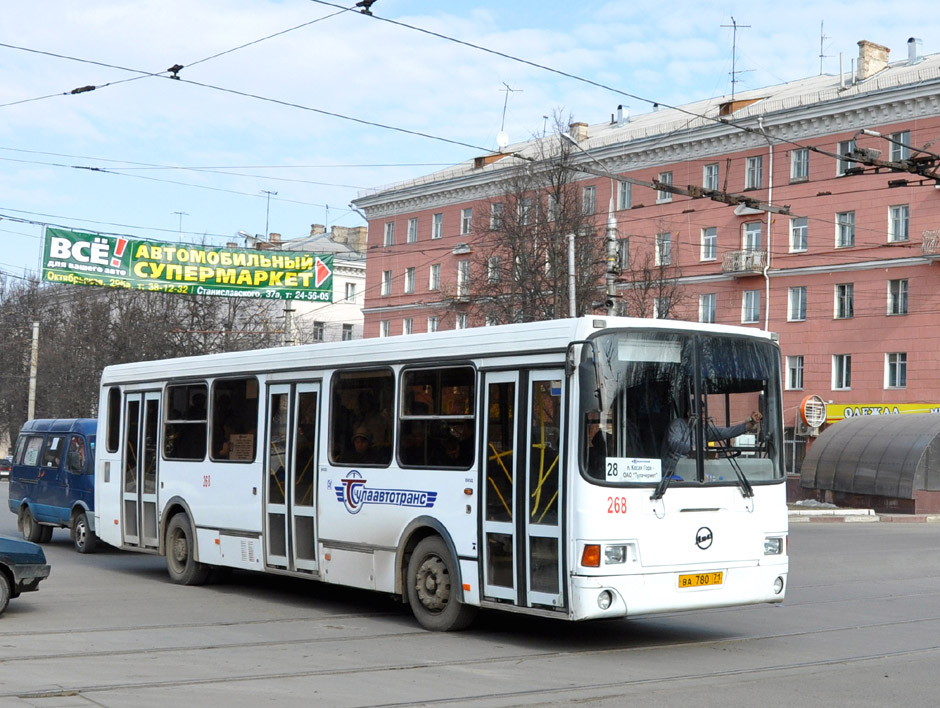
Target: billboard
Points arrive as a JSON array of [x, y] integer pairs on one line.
[[77, 258]]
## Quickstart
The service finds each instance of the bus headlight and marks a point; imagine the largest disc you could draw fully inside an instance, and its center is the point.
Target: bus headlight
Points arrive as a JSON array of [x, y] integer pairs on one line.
[[615, 554], [773, 546], [605, 599], [778, 585]]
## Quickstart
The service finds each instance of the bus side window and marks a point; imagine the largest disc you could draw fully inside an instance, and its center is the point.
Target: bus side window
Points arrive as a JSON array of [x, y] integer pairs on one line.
[[184, 433], [361, 417], [437, 426], [234, 419]]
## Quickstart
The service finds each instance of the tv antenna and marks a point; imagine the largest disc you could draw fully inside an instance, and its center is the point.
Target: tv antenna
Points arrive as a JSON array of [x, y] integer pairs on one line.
[[501, 138], [822, 55], [734, 53]]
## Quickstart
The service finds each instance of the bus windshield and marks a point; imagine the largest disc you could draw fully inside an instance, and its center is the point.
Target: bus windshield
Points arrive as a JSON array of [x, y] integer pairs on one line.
[[649, 397]]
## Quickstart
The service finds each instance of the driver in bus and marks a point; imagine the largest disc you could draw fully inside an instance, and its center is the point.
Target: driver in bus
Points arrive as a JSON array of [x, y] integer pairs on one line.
[[682, 433]]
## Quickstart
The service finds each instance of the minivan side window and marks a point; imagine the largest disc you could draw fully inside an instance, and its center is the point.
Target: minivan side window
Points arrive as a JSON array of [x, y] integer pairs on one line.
[[76, 456], [52, 454], [30, 449]]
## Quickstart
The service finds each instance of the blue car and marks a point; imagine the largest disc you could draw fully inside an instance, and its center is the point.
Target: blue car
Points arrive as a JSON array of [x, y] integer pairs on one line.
[[22, 566]]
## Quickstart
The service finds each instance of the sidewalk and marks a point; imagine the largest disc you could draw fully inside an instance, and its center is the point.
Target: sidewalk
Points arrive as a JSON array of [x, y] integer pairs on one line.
[[864, 516]]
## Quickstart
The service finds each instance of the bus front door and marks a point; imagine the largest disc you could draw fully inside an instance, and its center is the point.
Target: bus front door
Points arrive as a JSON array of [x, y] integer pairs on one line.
[[522, 521], [139, 483], [290, 527]]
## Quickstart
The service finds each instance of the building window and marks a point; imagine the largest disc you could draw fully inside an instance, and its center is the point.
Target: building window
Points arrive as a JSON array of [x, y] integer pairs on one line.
[[896, 370], [433, 323], [412, 230], [492, 269], [750, 306], [437, 225], [463, 278], [710, 243], [899, 223], [386, 282], [385, 328], [407, 324], [661, 307], [389, 239], [754, 172], [797, 309], [706, 308], [799, 234], [663, 249], [897, 297], [710, 176], [752, 235], [409, 280], [845, 164], [900, 146], [623, 252], [663, 195], [842, 371], [317, 331], [492, 320], [624, 195], [588, 200], [794, 372], [845, 301], [351, 292], [845, 229], [799, 165], [434, 281], [553, 207], [466, 221], [496, 216], [347, 332], [525, 211], [461, 322]]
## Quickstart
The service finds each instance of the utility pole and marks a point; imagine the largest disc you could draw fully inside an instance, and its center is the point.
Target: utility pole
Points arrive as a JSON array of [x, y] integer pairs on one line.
[[267, 213], [181, 214], [33, 368]]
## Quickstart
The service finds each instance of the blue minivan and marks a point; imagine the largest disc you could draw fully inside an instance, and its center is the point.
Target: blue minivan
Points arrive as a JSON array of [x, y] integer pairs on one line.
[[52, 481]]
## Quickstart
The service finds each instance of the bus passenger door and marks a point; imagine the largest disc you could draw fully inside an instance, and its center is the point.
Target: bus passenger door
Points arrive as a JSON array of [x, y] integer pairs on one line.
[[522, 531], [290, 492], [139, 475]]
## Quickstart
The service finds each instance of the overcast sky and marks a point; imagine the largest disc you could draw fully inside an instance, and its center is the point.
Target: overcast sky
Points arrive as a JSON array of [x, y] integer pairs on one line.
[[300, 114]]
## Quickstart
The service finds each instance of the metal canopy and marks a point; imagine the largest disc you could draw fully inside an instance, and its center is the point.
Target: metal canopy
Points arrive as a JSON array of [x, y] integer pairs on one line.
[[884, 455]]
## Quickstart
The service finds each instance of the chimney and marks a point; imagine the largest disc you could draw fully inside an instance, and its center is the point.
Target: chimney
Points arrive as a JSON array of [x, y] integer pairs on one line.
[[578, 131], [317, 229], [872, 58], [914, 47], [274, 237]]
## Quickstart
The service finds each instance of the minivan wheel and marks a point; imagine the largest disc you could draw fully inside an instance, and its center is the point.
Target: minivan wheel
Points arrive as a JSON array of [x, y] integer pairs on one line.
[[32, 531], [82, 537], [4, 591]]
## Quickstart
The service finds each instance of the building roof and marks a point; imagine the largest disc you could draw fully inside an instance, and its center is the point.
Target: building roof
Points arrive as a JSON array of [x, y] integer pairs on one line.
[[815, 95]]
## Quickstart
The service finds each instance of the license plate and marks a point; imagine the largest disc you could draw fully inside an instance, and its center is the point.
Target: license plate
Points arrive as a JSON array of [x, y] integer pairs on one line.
[[699, 580]]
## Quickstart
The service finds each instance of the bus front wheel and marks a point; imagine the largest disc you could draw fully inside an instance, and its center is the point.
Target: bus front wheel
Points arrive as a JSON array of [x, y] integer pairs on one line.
[[181, 562], [432, 591]]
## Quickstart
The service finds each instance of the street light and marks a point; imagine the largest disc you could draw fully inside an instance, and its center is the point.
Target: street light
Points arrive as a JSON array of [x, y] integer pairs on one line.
[[610, 238]]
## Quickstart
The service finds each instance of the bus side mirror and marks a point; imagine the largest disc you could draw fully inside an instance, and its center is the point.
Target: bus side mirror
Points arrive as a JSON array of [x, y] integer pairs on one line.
[[587, 383]]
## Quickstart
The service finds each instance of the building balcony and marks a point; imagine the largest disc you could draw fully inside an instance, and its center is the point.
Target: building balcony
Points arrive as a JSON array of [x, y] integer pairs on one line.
[[930, 245], [744, 263]]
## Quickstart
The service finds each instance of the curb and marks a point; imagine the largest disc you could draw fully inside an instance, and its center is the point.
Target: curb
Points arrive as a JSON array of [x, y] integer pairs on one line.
[[864, 516]]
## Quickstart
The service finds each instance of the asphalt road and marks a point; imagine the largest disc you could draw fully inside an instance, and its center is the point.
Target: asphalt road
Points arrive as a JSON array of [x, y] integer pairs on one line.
[[860, 627]]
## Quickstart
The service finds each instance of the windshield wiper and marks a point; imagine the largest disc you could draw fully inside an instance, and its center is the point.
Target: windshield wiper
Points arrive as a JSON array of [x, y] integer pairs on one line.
[[747, 490]]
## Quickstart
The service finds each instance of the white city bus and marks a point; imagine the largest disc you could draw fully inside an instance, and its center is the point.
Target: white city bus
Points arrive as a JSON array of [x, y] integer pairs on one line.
[[517, 467]]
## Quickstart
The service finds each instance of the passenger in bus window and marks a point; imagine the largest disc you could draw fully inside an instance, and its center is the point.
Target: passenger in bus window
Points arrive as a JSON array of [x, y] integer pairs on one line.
[[362, 452], [75, 459]]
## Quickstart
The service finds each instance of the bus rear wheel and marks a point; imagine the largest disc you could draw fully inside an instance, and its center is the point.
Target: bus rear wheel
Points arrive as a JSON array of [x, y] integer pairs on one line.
[[181, 562], [432, 591]]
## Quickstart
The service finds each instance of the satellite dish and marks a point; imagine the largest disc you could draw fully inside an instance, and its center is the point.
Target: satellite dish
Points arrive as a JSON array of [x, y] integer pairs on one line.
[[502, 139], [813, 411]]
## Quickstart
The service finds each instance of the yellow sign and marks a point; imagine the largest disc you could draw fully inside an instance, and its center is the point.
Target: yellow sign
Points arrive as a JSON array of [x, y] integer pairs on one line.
[[835, 413]]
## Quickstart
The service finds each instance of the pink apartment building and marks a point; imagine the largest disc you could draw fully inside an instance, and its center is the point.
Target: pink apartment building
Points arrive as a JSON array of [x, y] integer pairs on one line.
[[841, 266]]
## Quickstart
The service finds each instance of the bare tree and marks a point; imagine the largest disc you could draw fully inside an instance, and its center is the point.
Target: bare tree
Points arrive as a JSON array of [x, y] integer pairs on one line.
[[517, 267], [650, 280]]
